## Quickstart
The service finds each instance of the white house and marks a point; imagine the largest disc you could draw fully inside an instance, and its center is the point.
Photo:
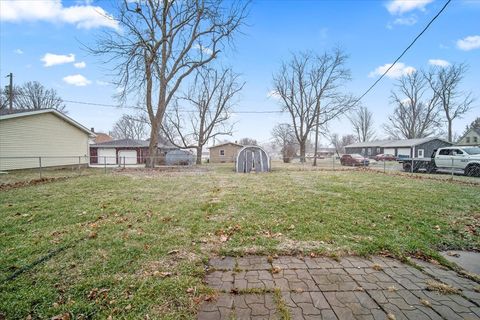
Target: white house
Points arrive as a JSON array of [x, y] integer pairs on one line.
[[25, 136]]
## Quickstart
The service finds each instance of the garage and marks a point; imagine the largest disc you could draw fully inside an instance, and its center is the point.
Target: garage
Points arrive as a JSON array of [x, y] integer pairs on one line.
[[389, 151], [107, 156], [127, 156], [403, 152]]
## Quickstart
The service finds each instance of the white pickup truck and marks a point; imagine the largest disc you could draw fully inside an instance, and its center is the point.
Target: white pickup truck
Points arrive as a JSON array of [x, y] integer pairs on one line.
[[465, 159]]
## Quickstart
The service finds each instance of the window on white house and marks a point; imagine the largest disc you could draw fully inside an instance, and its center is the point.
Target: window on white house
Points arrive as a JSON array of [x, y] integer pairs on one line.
[[369, 150], [475, 139], [468, 139], [378, 150], [222, 152], [421, 153]]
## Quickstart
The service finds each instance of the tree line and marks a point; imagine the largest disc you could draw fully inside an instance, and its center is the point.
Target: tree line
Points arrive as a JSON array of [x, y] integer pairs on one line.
[[167, 57]]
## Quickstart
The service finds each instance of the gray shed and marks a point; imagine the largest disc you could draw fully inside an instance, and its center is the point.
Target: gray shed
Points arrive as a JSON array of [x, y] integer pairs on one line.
[[179, 157], [252, 158]]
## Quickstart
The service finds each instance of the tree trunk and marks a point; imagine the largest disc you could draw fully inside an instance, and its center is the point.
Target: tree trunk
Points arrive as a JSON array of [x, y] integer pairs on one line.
[[153, 146], [316, 141], [199, 154], [449, 130], [302, 151]]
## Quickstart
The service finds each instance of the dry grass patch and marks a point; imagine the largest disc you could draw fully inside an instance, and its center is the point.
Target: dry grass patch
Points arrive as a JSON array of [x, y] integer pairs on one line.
[[441, 287]]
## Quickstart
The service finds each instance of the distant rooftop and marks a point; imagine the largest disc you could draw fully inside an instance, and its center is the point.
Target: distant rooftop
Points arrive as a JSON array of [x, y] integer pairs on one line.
[[128, 143], [392, 143]]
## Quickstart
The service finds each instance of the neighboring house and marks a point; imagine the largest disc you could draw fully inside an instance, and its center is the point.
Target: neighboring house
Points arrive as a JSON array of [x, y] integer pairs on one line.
[[421, 148], [325, 152], [471, 138], [225, 152], [100, 137], [125, 151], [56, 138]]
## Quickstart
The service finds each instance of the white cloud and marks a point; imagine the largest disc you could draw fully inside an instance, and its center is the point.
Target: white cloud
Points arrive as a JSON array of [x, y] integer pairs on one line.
[[407, 21], [77, 80], [51, 59], [82, 16], [18, 51], [403, 6], [439, 62], [398, 70], [203, 49], [80, 65], [469, 43]]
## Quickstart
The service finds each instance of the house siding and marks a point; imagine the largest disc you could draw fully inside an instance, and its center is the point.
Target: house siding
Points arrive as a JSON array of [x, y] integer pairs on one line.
[[41, 135], [430, 146], [471, 138], [231, 151]]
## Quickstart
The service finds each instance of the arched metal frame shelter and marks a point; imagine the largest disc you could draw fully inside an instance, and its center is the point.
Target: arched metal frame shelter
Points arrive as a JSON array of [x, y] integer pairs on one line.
[[252, 158]]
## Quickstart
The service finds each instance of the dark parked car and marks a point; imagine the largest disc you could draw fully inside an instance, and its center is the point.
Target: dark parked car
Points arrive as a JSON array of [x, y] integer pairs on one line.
[[385, 157], [354, 160]]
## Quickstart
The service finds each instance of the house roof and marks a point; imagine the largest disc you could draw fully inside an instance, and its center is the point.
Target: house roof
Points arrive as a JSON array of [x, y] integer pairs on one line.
[[393, 143], [477, 130], [11, 114], [223, 144], [122, 143], [102, 137], [127, 143], [376, 143]]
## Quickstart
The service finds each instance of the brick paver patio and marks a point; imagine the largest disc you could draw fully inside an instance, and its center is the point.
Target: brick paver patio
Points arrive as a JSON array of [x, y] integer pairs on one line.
[[257, 287]]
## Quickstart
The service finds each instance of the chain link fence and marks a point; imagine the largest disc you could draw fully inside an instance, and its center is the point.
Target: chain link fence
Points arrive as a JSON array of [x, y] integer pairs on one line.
[[423, 167], [18, 170], [21, 169]]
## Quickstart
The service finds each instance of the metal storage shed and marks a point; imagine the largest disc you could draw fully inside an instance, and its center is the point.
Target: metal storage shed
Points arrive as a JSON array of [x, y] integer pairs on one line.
[[252, 158]]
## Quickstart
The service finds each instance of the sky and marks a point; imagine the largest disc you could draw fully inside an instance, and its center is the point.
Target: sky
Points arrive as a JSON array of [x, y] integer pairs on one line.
[[42, 40]]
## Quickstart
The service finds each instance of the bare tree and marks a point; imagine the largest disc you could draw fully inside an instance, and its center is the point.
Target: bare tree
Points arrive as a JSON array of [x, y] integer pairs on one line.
[[339, 143], [130, 127], [161, 42], [248, 142], [33, 95], [453, 102], [416, 112], [284, 137], [362, 123], [309, 90], [211, 95]]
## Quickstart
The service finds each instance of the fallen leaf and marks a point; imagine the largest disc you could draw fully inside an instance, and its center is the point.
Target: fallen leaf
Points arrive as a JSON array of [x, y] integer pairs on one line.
[[63, 316], [426, 303], [173, 251], [391, 316], [190, 290], [377, 267], [128, 307], [92, 235], [223, 238], [276, 270]]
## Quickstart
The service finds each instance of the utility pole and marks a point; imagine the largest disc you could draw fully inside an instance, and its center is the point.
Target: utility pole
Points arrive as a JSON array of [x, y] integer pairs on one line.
[[10, 91]]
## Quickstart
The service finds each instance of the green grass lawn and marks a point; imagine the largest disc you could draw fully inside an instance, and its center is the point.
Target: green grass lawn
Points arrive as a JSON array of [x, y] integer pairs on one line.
[[132, 244]]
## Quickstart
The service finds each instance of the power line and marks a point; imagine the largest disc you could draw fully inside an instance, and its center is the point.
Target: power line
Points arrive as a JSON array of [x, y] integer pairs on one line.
[[279, 111], [140, 108], [404, 51]]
